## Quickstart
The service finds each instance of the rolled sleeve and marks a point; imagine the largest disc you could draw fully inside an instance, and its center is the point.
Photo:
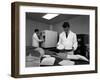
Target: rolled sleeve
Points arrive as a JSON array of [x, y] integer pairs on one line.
[[36, 38], [75, 43], [59, 44]]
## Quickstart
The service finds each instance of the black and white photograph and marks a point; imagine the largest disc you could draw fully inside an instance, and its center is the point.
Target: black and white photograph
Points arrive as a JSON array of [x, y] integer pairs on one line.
[[56, 39], [51, 39]]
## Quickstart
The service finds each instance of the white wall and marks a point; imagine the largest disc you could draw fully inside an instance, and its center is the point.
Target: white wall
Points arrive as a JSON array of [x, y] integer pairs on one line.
[[30, 26], [79, 25], [5, 40]]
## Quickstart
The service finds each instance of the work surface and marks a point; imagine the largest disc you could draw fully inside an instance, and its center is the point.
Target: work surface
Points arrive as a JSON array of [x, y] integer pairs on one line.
[[58, 59], [53, 60]]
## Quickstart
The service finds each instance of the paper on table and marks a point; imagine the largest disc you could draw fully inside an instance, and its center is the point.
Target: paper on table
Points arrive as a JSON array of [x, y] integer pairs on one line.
[[46, 56], [66, 62], [48, 61]]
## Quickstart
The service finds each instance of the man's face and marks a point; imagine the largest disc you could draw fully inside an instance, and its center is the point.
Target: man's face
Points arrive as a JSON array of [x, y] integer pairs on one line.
[[66, 29], [37, 32]]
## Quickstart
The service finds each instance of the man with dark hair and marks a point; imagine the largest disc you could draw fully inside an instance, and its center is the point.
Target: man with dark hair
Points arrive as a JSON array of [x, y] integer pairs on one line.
[[67, 39], [36, 40], [67, 44], [36, 30], [66, 24]]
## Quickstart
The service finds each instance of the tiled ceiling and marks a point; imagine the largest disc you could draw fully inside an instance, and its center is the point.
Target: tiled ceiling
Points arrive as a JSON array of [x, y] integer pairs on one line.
[[38, 17]]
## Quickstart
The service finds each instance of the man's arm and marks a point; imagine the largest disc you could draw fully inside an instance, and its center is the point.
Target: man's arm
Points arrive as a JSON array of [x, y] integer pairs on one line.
[[59, 44], [75, 44], [36, 38]]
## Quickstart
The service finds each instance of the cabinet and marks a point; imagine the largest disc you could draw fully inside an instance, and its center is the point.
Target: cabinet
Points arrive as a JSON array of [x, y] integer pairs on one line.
[[83, 45]]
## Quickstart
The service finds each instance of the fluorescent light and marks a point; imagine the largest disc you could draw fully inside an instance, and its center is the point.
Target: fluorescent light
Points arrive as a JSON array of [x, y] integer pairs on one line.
[[49, 16]]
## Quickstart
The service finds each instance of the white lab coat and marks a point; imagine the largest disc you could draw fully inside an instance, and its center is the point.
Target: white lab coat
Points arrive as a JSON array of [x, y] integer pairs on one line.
[[35, 40], [67, 43]]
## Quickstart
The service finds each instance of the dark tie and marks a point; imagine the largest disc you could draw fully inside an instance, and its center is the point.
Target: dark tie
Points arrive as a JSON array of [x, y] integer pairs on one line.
[[66, 34]]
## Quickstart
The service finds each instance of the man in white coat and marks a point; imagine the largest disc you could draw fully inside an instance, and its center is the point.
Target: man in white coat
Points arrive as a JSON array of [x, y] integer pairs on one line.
[[36, 41], [67, 39], [67, 43]]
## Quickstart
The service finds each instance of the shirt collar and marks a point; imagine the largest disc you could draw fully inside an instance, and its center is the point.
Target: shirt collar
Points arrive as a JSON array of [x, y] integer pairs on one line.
[[68, 32]]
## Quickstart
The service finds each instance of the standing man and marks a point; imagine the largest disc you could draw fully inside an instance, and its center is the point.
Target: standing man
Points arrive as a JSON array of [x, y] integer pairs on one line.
[[35, 38], [67, 40], [36, 41], [68, 44]]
